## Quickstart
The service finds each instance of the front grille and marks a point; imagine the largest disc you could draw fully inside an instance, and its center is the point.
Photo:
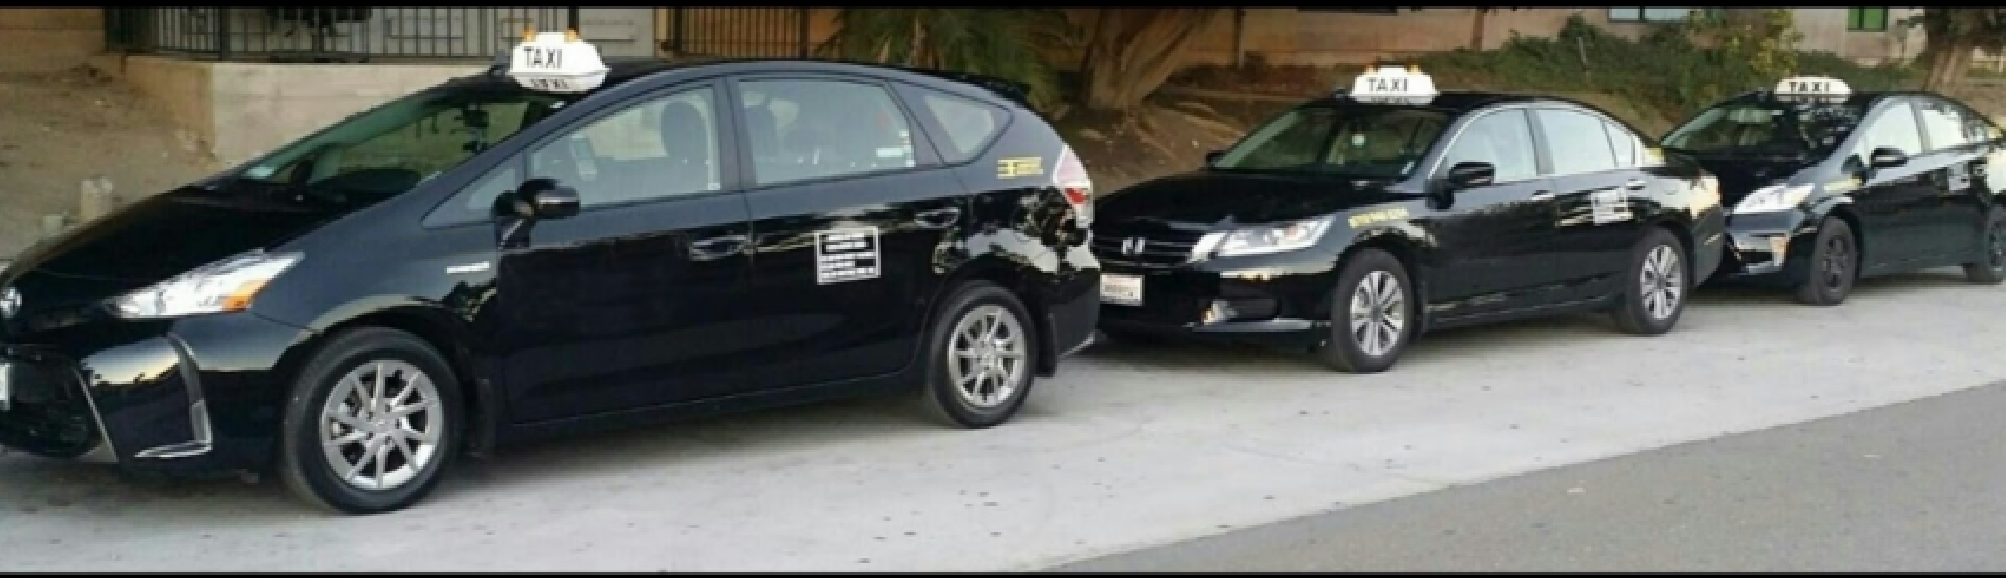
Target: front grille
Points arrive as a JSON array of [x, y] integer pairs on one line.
[[48, 414], [1154, 249]]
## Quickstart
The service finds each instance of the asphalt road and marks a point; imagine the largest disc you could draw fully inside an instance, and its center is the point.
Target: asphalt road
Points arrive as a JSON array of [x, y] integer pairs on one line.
[[1907, 488], [1128, 449]]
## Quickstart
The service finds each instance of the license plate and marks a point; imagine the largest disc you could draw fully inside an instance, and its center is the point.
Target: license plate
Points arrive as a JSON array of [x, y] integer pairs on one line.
[[1121, 289], [6, 388]]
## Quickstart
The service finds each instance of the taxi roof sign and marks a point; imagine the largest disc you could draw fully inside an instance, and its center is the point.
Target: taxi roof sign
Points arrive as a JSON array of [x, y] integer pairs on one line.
[[1813, 89], [556, 62], [1393, 84]]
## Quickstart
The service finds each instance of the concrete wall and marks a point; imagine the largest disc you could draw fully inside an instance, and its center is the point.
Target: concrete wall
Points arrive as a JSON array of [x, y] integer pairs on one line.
[[45, 39], [241, 110]]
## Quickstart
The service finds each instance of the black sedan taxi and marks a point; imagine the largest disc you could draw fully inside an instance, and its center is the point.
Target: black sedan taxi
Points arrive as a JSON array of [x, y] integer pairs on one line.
[[1829, 186], [1352, 223], [552, 245]]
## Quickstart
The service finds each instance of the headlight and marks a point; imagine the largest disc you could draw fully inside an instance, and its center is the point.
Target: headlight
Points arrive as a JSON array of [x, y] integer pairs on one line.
[[1264, 239], [219, 287], [1772, 199]]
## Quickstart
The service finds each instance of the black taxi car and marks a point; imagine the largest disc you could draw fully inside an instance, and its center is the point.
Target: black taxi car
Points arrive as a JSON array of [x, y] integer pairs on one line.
[[1829, 185], [1352, 223], [553, 245]]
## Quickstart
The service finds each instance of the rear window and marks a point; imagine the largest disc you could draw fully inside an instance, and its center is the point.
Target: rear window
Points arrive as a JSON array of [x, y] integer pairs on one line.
[[966, 125]]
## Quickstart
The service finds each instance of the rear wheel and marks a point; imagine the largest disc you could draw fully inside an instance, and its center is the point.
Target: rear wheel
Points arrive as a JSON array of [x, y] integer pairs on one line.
[[981, 354], [1992, 270], [372, 423], [1654, 290], [1372, 314], [1834, 265]]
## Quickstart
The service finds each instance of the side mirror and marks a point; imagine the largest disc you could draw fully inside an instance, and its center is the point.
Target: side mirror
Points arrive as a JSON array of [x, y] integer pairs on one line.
[[1212, 158], [1886, 157], [544, 199], [1470, 174]]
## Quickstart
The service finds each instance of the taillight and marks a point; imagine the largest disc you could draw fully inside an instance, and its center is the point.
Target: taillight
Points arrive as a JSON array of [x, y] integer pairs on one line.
[[1071, 178]]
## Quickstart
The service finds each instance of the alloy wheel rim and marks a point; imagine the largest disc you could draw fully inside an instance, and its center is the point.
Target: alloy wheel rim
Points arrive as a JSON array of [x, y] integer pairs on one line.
[[381, 426], [986, 356], [1378, 313]]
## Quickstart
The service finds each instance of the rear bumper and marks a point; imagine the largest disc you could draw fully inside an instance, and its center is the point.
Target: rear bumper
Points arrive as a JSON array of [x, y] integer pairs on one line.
[[189, 397]]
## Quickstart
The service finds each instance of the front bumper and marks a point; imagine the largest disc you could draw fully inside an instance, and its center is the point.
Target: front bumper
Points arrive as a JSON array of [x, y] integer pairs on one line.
[[192, 396], [1277, 300], [1766, 247]]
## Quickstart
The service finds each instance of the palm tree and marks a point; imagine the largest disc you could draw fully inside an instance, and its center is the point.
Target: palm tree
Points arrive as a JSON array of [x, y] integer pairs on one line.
[[1005, 43]]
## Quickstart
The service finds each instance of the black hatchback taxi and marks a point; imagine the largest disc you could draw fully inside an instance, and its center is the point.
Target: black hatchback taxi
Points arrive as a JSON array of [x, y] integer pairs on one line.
[[1829, 186], [1352, 223], [554, 244]]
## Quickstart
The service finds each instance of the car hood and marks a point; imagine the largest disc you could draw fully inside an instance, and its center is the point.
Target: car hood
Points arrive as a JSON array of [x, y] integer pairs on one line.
[[150, 241], [1741, 176], [1216, 199]]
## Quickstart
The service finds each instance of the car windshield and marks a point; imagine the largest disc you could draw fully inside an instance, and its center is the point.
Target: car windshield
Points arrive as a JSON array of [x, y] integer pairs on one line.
[[1356, 140], [388, 149], [1767, 128]]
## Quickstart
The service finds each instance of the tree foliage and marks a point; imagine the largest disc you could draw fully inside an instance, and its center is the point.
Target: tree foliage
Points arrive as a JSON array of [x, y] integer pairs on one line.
[[1130, 52], [1950, 37], [1005, 43]]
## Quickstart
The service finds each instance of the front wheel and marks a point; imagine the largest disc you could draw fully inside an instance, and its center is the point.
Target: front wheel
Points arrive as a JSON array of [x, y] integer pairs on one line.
[[981, 354], [1654, 289], [1992, 270], [371, 424], [1372, 314], [1835, 260]]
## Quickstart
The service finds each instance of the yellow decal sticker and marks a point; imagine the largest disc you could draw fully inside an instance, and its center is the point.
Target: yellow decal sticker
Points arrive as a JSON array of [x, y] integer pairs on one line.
[[1844, 184], [1654, 156], [1011, 168], [1379, 216]]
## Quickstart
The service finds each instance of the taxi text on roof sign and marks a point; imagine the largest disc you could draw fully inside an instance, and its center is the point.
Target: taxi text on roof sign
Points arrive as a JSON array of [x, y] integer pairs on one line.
[[557, 62], [1394, 84], [1813, 89]]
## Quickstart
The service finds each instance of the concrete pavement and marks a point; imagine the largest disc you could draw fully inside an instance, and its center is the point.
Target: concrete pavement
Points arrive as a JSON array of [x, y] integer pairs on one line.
[[1906, 488], [1129, 448]]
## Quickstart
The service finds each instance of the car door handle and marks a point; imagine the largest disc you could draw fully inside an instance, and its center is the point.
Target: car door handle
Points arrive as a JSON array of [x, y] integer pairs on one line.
[[938, 218], [1541, 195], [1636, 184], [716, 248]]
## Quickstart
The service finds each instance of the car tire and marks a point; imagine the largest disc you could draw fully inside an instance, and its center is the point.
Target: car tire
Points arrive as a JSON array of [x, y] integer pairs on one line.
[[1655, 287], [1992, 271], [396, 396], [962, 386], [1374, 281], [1834, 265]]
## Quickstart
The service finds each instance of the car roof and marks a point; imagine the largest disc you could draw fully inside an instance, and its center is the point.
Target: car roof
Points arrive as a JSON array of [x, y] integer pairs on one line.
[[621, 71], [1463, 101], [1860, 97]]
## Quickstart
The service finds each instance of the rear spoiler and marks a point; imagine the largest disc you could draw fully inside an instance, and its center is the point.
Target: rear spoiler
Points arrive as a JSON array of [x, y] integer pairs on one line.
[[1017, 92]]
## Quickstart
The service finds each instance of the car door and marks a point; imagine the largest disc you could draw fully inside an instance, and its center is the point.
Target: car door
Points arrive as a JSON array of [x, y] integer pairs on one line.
[[1594, 216], [1893, 202], [640, 298], [850, 207], [1488, 237], [1953, 144]]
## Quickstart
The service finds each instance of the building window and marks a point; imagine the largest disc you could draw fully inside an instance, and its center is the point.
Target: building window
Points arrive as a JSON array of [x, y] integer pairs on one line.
[[1867, 19], [1660, 14]]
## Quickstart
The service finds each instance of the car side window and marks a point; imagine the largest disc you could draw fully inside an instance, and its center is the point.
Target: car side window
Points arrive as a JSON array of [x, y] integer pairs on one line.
[[662, 147], [1626, 144], [967, 124], [479, 198], [1575, 141], [802, 129], [1500, 138], [1944, 124], [1895, 128]]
